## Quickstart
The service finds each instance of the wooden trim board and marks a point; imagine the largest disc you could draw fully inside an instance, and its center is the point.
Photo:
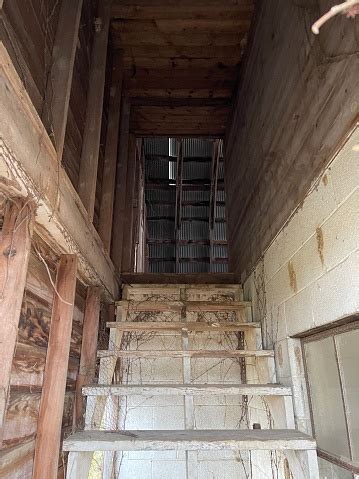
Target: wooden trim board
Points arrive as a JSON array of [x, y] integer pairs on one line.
[[181, 325], [136, 354], [190, 440]]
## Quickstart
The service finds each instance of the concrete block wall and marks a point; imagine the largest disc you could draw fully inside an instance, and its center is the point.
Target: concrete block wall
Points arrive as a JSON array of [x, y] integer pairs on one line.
[[309, 276]]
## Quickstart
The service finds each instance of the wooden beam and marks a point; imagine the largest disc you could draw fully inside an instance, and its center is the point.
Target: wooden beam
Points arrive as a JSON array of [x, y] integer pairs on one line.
[[209, 353], [29, 166], [59, 82], [88, 348], [111, 149], [180, 102], [263, 439], [179, 326], [213, 196], [120, 191], [54, 386], [15, 244], [178, 211], [92, 133], [127, 250], [149, 390]]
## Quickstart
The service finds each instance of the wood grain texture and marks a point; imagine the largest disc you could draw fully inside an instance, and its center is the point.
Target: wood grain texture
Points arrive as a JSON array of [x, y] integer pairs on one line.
[[15, 244], [269, 439], [53, 393], [297, 101]]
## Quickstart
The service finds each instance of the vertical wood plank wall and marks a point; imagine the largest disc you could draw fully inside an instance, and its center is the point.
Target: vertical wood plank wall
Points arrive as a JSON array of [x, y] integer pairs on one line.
[[17, 449]]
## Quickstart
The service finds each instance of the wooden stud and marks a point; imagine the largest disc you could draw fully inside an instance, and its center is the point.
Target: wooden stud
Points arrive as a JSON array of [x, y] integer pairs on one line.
[[88, 348], [92, 133], [111, 149], [127, 250], [179, 181], [59, 83], [120, 191], [15, 244], [54, 386]]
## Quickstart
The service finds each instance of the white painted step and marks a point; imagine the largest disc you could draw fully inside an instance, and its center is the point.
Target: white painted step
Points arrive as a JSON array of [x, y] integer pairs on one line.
[[182, 325], [189, 440], [188, 389], [210, 353]]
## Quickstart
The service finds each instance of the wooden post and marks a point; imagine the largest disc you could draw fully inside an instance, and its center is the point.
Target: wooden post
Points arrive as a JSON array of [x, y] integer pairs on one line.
[[110, 161], [120, 192], [15, 244], [54, 386], [92, 133], [58, 88], [88, 348], [127, 250]]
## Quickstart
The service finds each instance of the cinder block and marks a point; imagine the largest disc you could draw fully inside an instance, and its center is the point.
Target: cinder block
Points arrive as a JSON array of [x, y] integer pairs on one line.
[[220, 469], [336, 294], [169, 469], [168, 417], [299, 312], [135, 469], [139, 418]]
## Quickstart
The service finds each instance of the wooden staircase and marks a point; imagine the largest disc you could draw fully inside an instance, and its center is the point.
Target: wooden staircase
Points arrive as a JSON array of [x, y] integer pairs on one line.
[[187, 311]]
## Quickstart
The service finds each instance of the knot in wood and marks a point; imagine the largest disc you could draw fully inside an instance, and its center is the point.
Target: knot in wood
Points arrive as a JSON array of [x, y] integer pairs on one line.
[[9, 252]]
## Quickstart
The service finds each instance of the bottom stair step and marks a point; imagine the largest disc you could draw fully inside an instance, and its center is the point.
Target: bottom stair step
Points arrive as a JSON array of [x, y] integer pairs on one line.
[[189, 440]]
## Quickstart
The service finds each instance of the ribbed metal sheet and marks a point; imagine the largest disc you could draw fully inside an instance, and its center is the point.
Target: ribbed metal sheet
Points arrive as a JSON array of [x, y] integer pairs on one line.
[[161, 229], [194, 230], [196, 170], [157, 169], [165, 196], [162, 267], [219, 251], [194, 251], [156, 146], [220, 211], [197, 147], [220, 232], [198, 267], [219, 268], [160, 210], [195, 211], [162, 250]]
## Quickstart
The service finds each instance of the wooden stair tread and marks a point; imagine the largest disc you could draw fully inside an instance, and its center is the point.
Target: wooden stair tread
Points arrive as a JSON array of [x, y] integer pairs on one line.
[[187, 389], [181, 325], [177, 306], [236, 353], [190, 440]]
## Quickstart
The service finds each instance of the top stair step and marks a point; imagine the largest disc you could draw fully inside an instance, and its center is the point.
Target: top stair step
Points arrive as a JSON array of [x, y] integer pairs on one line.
[[182, 325], [178, 306], [189, 440]]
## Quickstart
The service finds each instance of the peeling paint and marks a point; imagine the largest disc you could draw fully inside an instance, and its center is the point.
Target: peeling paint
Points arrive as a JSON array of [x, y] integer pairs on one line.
[[320, 244], [292, 277], [325, 180]]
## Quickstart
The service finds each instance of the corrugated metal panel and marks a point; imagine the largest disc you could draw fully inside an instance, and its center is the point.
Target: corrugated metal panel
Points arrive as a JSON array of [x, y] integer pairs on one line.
[[156, 146], [162, 267], [220, 170], [198, 267], [161, 229], [194, 230], [195, 196], [196, 170], [219, 268], [194, 251], [219, 251], [220, 211], [195, 211], [157, 169], [161, 210], [220, 232], [221, 196], [166, 196], [197, 147], [162, 250]]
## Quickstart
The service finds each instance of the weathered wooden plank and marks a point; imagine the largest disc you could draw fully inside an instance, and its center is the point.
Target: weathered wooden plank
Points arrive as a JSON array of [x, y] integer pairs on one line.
[[15, 244], [179, 326], [16, 462], [190, 306], [265, 439], [52, 398], [191, 389], [111, 149], [60, 217], [92, 133], [127, 249], [120, 190], [60, 79], [212, 353], [135, 279], [88, 349]]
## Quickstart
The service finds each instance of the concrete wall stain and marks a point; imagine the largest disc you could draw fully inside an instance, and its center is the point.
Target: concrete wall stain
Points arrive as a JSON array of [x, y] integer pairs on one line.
[[320, 244], [292, 277]]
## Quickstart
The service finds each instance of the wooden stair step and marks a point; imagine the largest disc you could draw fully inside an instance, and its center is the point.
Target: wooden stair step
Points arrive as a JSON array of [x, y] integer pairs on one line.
[[236, 353], [182, 325], [177, 306], [187, 389], [189, 440]]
